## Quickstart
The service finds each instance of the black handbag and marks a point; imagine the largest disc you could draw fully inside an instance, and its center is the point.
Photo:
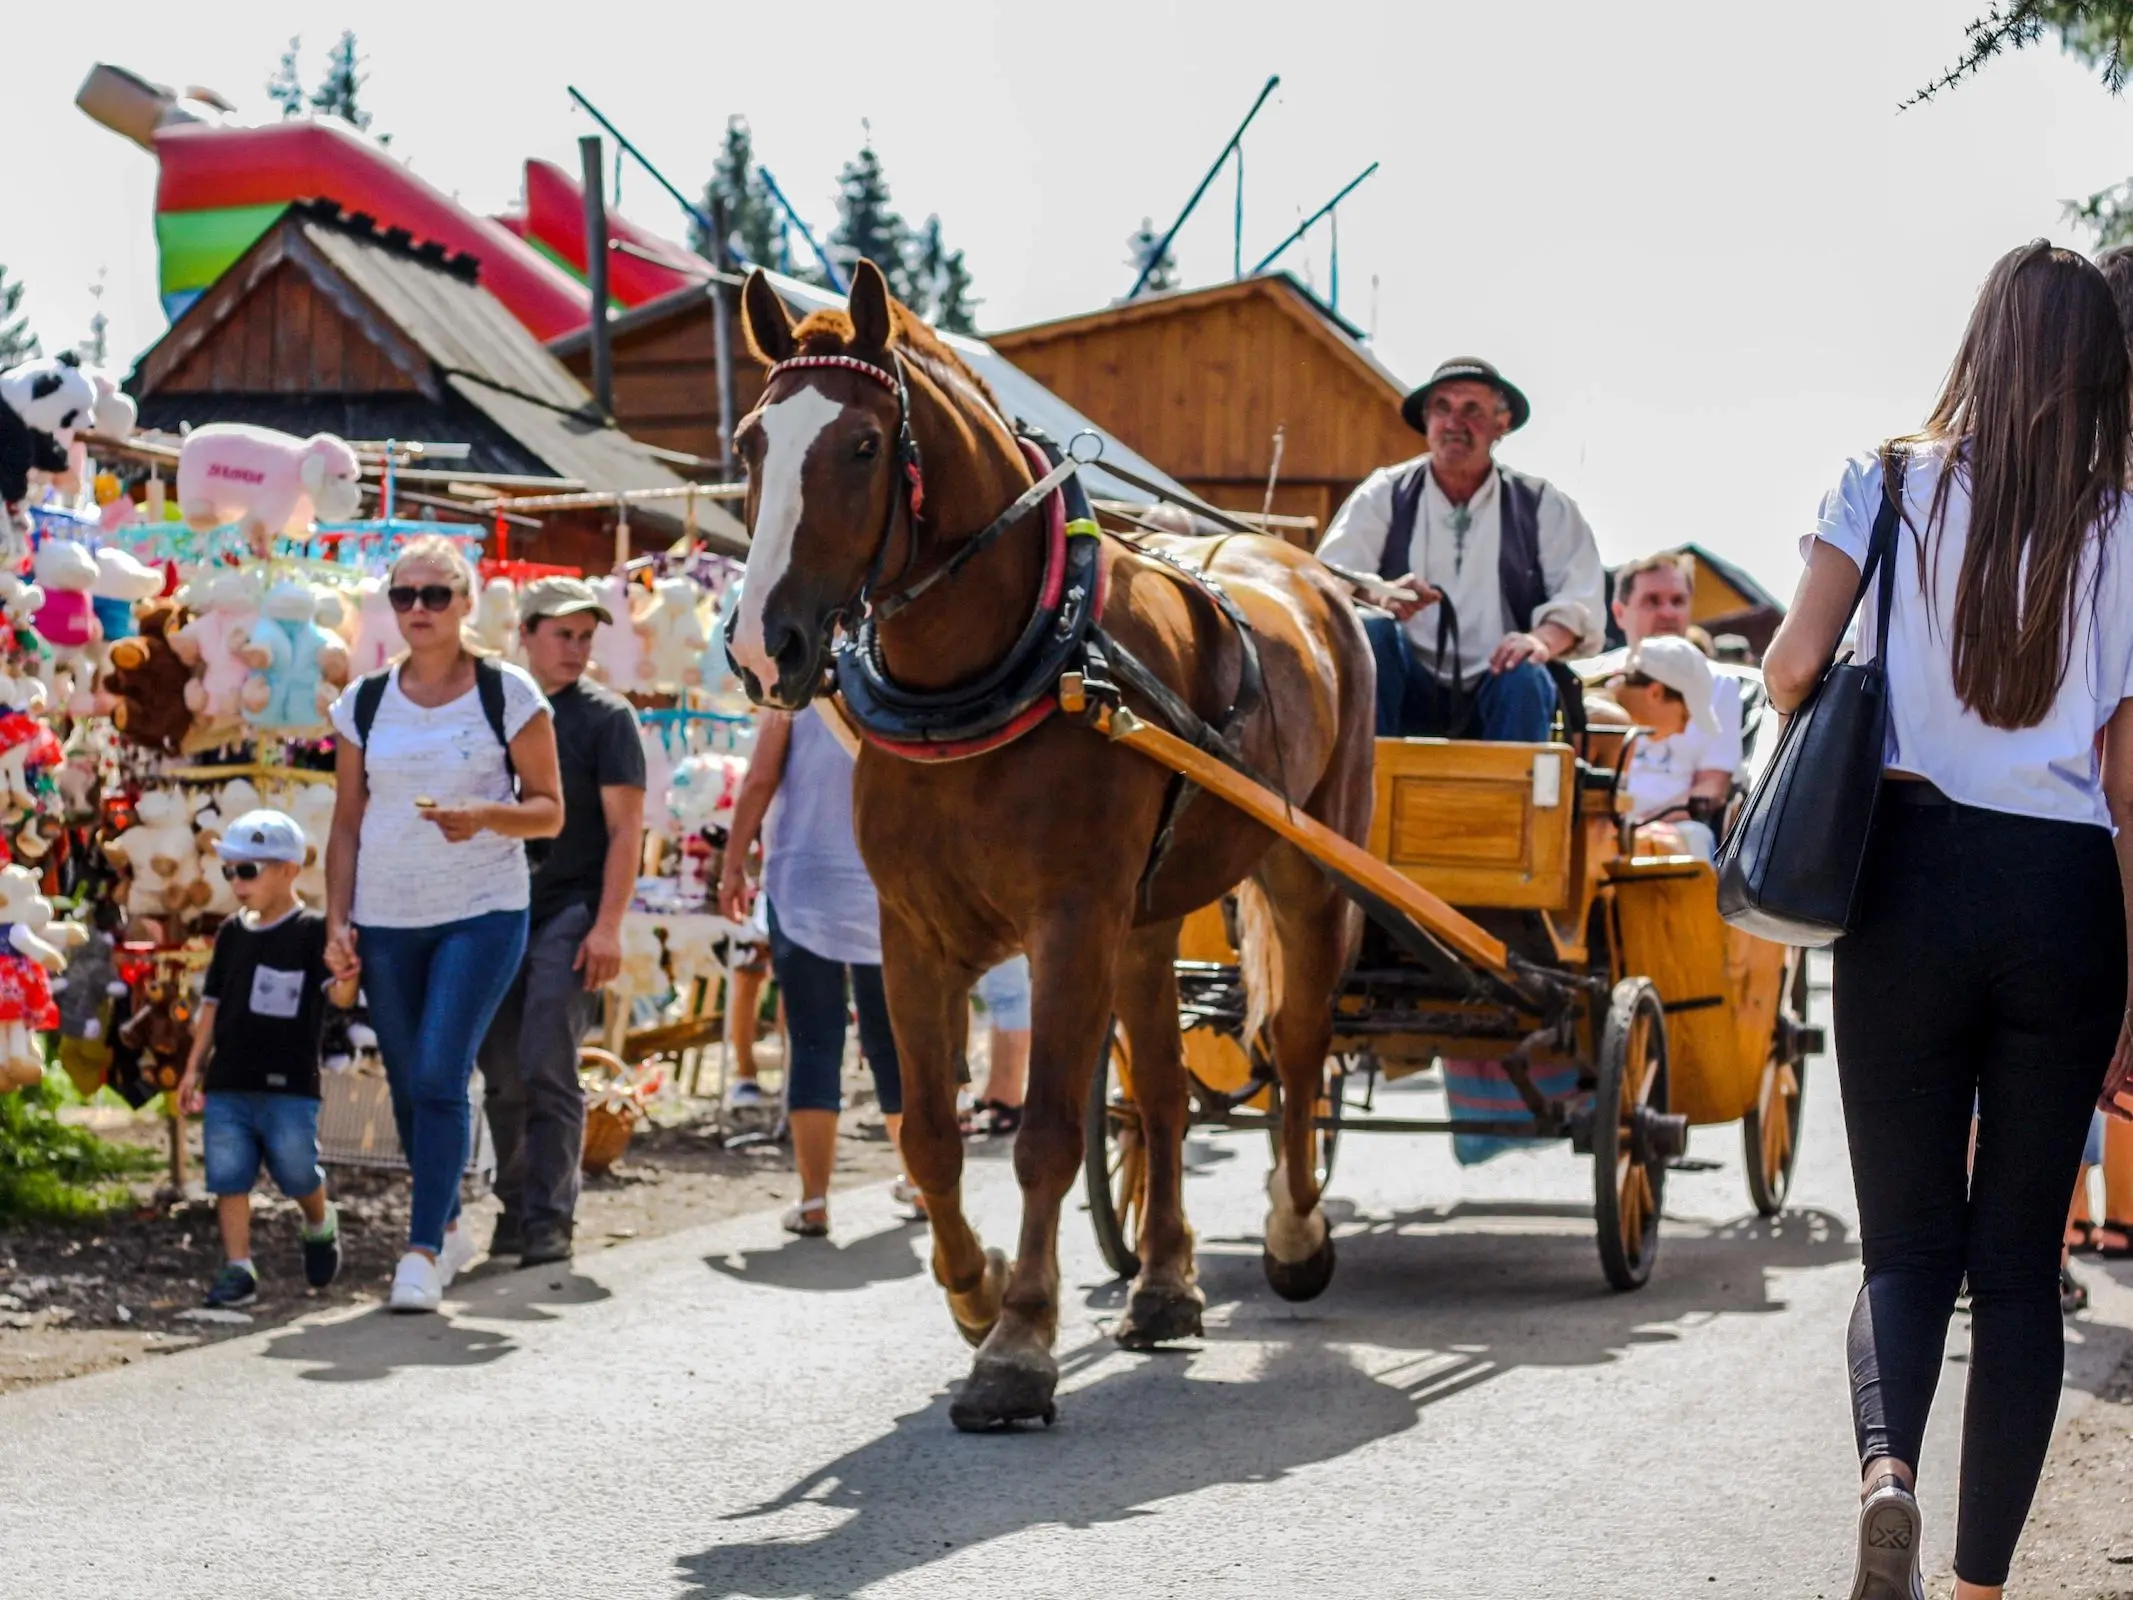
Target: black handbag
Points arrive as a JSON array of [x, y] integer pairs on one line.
[[1789, 869]]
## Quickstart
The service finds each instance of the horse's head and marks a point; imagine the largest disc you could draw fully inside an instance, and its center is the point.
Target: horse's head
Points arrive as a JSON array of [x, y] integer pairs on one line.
[[824, 481]]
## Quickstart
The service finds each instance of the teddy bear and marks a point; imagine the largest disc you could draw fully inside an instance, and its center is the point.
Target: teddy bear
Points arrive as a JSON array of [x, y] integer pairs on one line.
[[159, 1031], [158, 855], [66, 622], [43, 404], [147, 679], [28, 962], [297, 667], [265, 481], [26, 744], [672, 636], [121, 584], [618, 651], [496, 618], [376, 635], [312, 808], [228, 607]]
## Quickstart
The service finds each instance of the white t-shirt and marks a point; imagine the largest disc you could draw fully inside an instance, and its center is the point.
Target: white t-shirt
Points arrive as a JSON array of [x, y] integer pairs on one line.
[[2051, 771], [408, 875], [1663, 771], [1720, 752]]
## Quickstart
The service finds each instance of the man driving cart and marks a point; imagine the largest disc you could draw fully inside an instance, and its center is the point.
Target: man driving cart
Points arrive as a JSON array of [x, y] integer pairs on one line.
[[1487, 574]]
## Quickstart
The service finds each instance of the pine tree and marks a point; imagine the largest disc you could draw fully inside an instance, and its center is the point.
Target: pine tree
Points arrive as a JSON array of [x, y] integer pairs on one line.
[[1142, 245], [941, 281], [2098, 32], [284, 89], [336, 93], [752, 217], [17, 343], [867, 225]]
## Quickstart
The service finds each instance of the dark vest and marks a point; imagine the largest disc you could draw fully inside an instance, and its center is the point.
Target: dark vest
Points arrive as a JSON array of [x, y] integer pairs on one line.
[[1518, 563]]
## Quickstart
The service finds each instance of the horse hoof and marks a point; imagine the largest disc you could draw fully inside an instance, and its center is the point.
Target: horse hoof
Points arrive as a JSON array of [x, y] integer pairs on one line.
[[1001, 1393], [1301, 1280], [1156, 1316], [991, 1292]]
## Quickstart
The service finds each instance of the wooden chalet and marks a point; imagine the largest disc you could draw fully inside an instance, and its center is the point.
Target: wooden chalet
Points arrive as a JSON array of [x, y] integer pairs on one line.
[[1200, 380], [328, 325]]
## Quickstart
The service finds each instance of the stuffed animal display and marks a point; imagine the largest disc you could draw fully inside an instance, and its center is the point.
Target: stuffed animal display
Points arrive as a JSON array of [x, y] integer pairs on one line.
[[158, 856], [297, 667], [672, 638], [265, 481]]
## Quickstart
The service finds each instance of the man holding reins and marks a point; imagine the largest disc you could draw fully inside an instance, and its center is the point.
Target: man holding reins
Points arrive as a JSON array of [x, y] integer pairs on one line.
[[1488, 574]]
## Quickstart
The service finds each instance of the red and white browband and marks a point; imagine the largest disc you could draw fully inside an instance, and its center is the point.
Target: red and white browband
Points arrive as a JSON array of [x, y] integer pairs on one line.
[[880, 375]]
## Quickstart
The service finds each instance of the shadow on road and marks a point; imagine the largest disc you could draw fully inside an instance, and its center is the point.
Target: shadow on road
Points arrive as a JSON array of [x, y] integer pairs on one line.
[[828, 1266], [1415, 1315], [379, 1343]]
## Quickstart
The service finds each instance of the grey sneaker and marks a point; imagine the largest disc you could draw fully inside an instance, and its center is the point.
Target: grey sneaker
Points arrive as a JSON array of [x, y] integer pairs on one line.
[[234, 1287], [545, 1242], [1888, 1545]]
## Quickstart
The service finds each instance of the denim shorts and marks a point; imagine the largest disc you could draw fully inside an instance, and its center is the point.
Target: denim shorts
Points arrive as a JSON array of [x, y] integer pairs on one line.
[[1004, 992], [241, 1129]]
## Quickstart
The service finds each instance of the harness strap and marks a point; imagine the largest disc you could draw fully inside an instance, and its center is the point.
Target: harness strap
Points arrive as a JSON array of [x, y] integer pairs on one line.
[[1024, 503]]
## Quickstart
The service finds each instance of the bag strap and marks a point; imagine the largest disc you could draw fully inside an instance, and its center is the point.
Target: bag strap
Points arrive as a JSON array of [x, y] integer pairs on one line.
[[1881, 551]]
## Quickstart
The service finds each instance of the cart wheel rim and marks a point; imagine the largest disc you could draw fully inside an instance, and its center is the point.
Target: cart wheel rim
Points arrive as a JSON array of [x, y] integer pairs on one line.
[[1632, 1081]]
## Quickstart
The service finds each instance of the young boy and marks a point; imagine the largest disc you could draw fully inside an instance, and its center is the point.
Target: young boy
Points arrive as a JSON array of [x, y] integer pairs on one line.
[[263, 1012], [1668, 688]]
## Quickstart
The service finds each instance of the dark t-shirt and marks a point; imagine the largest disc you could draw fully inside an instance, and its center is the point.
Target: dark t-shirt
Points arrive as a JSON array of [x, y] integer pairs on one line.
[[269, 989], [596, 747]]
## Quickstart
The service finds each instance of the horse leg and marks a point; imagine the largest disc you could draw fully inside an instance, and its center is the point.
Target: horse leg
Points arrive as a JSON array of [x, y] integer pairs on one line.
[[1166, 1302], [927, 1004], [1071, 976], [1312, 926]]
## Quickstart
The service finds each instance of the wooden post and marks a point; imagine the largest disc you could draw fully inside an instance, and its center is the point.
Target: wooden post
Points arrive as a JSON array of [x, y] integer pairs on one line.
[[722, 335], [603, 361]]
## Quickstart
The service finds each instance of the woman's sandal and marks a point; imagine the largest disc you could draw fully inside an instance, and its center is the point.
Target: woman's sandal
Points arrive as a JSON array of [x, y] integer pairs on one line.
[[810, 1219], [2102, 1248], [2085, 1238], [994, 1119]]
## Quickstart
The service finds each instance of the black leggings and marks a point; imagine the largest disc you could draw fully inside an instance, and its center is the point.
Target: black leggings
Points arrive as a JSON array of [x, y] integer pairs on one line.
[[1990, 961]]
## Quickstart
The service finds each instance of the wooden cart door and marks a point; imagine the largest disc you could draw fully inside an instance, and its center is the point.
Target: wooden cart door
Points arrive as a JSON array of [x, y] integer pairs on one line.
[[1667, 929]]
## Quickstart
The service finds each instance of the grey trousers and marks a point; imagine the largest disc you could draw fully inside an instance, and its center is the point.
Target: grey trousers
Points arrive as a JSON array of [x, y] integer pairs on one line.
[[530, 1063]]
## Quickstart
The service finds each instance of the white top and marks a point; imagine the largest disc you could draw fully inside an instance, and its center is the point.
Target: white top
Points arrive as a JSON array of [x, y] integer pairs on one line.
[[1719, 754], [1663, 771], [408, 875], [1464, 566], [2051, 771]]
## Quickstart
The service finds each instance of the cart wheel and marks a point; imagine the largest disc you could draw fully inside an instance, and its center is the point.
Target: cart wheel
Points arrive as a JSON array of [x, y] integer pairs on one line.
[[1629, 1169], [1114, 1160], [1325, 1140], [1770, 1134]]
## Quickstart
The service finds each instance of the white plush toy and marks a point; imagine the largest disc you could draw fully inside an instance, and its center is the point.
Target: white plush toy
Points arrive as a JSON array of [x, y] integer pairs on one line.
[[27, 696], [28, 962], [265, 481], [672, 635], [21, 601], [641, 957], [618, 652], [59, 396], [312, 808], [703, 792], [496, 618], [691, 949], [159, 855], [376, 635]]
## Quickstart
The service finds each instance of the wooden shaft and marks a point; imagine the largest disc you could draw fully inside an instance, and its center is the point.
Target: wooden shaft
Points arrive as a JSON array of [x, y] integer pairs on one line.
[[1313, 838]]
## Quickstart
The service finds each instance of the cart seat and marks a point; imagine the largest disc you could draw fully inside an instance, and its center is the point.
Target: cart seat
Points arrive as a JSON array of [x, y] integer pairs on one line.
[[1482, 825]]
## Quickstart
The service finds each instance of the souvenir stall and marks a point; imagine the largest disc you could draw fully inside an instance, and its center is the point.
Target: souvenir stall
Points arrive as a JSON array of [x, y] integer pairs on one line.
[[169, 653]]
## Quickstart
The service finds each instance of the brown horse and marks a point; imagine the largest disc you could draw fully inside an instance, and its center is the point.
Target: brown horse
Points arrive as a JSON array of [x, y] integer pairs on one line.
[[1040, 844]]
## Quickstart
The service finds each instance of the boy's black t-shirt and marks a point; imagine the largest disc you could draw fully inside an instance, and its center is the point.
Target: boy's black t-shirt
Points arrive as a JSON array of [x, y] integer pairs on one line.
[[269, 989], [596, 748]]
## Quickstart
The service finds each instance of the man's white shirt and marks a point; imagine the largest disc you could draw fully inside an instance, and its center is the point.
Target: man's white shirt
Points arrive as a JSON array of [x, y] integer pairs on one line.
[[1465, 567]]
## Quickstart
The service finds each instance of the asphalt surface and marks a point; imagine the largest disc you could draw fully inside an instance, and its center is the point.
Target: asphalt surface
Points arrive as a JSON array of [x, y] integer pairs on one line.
[[724, 1412]]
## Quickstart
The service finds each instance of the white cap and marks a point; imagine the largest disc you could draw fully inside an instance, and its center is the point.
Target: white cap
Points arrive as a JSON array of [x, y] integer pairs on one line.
[[262, 836], [1675, 662]]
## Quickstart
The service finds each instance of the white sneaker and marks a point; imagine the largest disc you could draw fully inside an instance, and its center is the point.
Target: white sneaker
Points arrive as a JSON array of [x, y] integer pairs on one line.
[[417, 1284], [458, 1254], [745, 1094]]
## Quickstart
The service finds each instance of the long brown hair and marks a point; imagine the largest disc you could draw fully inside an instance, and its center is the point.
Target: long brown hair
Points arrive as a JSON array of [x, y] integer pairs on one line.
[[2035, 412]]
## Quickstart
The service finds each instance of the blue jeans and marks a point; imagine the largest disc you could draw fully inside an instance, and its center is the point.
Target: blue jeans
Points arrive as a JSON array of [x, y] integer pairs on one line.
[[241, 1129], [813, 987], [1516, 706], [432, 993]]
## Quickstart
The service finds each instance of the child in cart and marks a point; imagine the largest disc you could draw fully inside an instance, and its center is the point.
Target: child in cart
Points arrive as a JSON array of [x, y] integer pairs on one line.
[[257, 1039]]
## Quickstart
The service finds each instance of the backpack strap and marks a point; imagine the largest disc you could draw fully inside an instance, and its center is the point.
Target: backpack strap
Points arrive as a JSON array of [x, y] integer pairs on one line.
[[370, 694]]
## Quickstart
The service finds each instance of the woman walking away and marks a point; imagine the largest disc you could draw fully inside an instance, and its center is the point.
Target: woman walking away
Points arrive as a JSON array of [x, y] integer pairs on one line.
[[1989, 954], [426, 878], [824, 923]]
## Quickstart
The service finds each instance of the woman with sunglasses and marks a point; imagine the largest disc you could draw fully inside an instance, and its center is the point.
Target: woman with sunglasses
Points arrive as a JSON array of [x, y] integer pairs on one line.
[[427, 880]]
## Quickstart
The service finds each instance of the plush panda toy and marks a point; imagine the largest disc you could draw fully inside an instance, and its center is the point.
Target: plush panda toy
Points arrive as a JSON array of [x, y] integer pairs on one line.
[[43, 404]]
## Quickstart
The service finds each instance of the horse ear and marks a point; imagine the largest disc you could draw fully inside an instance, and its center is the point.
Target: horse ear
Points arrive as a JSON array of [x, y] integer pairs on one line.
[[872, 322], [768, 324]]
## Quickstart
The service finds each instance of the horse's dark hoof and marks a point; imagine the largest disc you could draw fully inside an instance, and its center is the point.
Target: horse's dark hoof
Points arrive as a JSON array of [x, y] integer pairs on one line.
[[1156, 1316], [1001, 1393], [1301, 1280]]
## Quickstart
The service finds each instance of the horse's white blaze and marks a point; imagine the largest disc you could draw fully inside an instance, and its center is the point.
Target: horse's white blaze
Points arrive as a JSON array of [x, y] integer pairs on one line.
[[1289, 1237], [790, 429]]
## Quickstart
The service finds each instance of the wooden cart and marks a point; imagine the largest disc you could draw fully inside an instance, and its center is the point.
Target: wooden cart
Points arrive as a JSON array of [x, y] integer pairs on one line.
[[1512, 919]]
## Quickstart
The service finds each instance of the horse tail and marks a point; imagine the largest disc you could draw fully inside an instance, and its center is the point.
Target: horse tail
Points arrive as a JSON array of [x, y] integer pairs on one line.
[[1258, 958]]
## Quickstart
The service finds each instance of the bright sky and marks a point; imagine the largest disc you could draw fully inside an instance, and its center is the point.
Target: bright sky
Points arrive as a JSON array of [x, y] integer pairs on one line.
[[1700, 236]]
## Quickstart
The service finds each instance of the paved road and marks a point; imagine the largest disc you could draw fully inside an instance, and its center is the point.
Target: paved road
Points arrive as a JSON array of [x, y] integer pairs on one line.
[[1468, 1412]]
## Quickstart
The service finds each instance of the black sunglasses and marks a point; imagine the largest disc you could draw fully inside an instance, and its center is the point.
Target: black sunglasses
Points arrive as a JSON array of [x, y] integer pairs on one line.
[[431, 596], [240, 871]]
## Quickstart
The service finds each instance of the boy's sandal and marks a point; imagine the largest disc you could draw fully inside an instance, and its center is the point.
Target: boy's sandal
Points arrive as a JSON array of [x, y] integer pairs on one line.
[[2103, 1249]]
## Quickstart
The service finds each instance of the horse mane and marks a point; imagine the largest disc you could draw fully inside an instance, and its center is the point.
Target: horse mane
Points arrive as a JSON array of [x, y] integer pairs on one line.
[[829, 332]]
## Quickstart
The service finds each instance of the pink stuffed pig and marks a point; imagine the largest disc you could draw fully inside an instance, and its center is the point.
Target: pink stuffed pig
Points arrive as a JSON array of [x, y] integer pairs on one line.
[[265, 481]]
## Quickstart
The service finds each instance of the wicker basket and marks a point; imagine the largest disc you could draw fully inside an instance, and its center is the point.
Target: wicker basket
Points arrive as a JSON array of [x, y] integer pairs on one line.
[[615, 1094]]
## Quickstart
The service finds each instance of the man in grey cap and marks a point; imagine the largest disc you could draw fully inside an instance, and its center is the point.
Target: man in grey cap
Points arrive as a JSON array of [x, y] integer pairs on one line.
[[582, 884], [1489, 574]]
